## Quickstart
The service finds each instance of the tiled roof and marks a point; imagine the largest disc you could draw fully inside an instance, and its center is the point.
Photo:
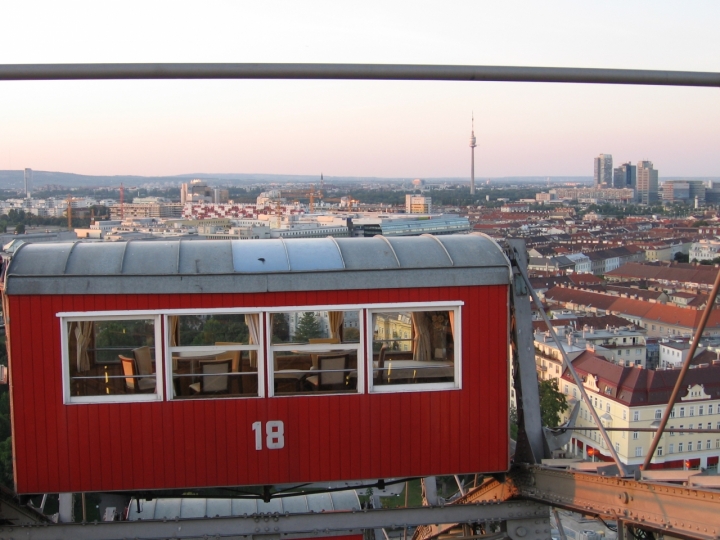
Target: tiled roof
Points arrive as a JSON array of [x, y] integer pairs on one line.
[[701, 274], [634, 386]]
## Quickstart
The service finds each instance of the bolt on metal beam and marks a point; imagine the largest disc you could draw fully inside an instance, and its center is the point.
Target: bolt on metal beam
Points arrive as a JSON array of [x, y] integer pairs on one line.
[[398, 72]]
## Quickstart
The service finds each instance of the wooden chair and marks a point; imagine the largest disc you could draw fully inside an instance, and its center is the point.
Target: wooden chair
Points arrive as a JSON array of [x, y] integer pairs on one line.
[[234, 358], [143, 360], [331, 373], [132, 383], [380, 377], [214, 378]]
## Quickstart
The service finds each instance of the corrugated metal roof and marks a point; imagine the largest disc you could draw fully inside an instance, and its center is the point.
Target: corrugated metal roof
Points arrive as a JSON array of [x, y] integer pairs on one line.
[[249, 265], [172, 508]]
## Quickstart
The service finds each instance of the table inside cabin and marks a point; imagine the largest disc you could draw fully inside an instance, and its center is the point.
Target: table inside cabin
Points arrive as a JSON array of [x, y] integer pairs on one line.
[[413, 370]]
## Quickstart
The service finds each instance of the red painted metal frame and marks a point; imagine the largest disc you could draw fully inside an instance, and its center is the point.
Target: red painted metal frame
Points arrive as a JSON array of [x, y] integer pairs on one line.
[[204, 443]]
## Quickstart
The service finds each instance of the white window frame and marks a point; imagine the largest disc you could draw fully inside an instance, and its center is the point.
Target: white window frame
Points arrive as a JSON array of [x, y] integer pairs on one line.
[[455, 307], [316, 347], [65, 318], [212, 348]]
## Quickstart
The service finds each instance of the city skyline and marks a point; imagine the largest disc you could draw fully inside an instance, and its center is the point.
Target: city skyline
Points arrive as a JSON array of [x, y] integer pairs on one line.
[[358, 128]]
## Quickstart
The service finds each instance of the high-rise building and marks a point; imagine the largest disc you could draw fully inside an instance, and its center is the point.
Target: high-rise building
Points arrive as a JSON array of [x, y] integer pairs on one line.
[[647, 183], [603, 171], [625, 176], [28, 182], [473, 144]]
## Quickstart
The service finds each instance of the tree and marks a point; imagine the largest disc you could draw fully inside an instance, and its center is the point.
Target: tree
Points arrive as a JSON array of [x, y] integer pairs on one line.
[[682, 257], [20, 228], [307, 327], [552, 403]]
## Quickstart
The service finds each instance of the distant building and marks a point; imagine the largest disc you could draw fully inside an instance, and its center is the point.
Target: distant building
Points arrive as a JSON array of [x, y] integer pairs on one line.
[[625, 176], [146, 210], [683, 191], [197, 191], [705, 250], [28, 182], [603, 171], [647, 183], [418, 204]]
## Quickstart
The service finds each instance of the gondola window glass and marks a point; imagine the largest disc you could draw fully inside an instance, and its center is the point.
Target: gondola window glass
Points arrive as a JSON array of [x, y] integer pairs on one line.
[[415, 348], [214, 355], [314, 352], [110, 359]]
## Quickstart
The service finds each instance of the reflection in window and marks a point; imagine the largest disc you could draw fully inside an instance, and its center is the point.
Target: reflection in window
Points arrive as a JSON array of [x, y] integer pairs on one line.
[[314, 352], [214, 355], [414, 347], [111, 357]]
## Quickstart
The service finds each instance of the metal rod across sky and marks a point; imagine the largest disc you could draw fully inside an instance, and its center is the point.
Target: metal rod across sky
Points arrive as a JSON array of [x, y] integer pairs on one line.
[[399, 72]]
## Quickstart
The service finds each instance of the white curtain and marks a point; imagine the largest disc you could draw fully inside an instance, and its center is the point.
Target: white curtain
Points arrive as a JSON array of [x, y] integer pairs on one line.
[[336, 319], [83, 333], [421, 338], [253, 323]]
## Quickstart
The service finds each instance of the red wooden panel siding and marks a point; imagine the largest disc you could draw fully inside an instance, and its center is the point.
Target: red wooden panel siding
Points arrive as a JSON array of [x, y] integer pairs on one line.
[[198, 443]]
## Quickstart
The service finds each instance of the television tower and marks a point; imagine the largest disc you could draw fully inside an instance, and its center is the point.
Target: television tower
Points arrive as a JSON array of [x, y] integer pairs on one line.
[[472, 157]]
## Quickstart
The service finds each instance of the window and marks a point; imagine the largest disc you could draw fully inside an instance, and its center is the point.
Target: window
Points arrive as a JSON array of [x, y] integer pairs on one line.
[[659, 451], [680, 447], [111, 358], [314, 352], [710, 409], [635, 435], [692, 410], [672, 413], [214, 355], [565, 389], [424, 361], [636, 416], [638, 451], [617, 447], [672, 433], [574, 392], [690, 446], [607, 408], [682, 426], [682, 412], [701, 410], [624, 414], [658, 414], [671, 448]]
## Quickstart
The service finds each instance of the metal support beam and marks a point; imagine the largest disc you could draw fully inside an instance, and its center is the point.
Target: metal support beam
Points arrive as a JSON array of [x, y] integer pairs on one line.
[[568, 365], [527, 394], [398, 72], [530, 515], [671, 509]]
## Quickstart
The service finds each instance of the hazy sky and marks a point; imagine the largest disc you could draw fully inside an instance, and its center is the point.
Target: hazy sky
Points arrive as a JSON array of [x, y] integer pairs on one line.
[[359, 128]]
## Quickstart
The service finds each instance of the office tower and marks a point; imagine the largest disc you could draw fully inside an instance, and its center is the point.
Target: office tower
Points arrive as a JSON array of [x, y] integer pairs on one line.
[[603, 171], [472, 157], [647, 183], [28, 182], [625, 176]]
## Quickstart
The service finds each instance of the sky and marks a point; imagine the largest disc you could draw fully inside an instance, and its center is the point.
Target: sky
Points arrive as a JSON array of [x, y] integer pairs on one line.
[[406, 129]]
